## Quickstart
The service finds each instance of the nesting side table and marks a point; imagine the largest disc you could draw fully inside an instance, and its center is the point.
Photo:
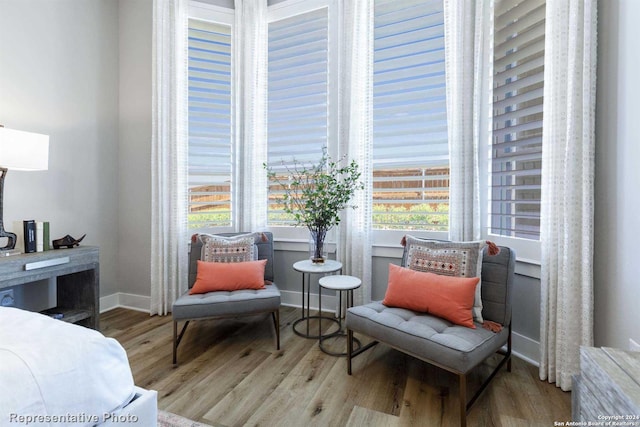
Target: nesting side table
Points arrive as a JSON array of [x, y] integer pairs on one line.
[[307, 268], [341, 284]]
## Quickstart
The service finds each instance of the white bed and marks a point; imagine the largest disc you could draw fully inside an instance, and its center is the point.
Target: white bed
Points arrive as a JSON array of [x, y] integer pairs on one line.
[[54, 373]]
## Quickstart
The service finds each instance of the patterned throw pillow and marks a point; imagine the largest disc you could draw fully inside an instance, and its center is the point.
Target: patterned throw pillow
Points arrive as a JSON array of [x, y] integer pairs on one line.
[[457, 259], [240, 248]]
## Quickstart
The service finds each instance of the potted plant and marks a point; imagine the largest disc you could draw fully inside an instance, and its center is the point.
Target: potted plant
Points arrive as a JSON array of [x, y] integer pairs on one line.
[[315, 194]]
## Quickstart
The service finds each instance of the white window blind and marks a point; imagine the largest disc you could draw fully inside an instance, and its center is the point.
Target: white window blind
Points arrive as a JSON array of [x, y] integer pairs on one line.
[[210, 160], [297, 96], [411, 166], [516, 152]]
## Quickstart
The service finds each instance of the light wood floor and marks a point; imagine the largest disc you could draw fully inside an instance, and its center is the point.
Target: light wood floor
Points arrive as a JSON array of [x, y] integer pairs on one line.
[[230, 374]]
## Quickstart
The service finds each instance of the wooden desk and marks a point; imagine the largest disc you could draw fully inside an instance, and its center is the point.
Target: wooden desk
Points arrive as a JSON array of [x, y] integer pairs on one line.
[[77, 277]]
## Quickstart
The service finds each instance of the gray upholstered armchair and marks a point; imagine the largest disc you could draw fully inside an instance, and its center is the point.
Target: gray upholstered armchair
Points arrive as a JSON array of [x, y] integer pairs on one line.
[[457, 349], [224, 304]]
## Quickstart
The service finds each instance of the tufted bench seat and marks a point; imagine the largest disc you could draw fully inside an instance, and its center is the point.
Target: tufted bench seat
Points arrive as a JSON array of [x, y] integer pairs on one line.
[[221, 304], [425, 336], [457, 349]]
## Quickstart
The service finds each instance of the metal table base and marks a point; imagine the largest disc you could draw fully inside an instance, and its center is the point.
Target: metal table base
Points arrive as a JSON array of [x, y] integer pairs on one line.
[[339, 333], [307, 268]]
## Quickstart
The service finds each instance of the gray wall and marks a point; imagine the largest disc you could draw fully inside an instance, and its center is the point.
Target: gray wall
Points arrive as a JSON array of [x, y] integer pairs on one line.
[[526, 307], [617, 209], [134, 185], [59, 76]]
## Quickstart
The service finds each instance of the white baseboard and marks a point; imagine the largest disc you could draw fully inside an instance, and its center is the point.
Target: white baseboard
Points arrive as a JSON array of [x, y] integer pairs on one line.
[[525, 348], [294, 299], [109, 302], [142, 303], [124, 300]]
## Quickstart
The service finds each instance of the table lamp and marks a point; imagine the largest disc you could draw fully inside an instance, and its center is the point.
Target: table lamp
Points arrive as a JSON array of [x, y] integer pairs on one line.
[[19, 150]]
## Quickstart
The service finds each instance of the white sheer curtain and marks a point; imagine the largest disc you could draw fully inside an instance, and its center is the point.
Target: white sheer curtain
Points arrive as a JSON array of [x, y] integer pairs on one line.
[[356, 143], [169, 155], [249, 44], [567, 187], [466, 27]]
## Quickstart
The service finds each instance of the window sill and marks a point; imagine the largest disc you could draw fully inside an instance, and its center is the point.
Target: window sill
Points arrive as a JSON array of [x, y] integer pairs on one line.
[[299, 245], [524, 267]]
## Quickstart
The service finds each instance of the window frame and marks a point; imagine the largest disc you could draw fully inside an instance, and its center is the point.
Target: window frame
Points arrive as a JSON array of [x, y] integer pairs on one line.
[[223, 16], [528, 251], [211, 13], [522, 26], [387, 242], [293, 236]]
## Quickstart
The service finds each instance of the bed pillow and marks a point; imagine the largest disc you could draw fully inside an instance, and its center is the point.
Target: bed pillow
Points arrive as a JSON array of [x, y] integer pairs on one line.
[[448, 297], [228, 276], [455, 259], [240, 248]]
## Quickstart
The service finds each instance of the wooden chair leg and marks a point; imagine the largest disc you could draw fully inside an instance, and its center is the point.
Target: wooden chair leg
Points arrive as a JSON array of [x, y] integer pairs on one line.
[[463, 400]]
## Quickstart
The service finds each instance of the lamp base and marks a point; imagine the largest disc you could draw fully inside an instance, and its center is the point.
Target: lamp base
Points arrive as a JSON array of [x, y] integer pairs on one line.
[[11, 243]]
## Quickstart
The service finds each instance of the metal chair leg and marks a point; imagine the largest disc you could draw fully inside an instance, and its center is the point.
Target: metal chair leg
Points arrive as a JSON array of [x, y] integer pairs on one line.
[[509, 350], [349, 350], [463, 400], [175, 342], [177, 338], [275, 315], [504, 361]]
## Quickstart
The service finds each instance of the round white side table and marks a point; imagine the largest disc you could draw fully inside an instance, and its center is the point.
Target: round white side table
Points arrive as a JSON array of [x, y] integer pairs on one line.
[[341, 284], [307, 268]]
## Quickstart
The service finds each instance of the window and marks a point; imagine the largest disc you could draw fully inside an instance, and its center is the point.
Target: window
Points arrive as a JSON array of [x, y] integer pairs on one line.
[[210, 161], [297, 120], [410, 148], [516, 151]]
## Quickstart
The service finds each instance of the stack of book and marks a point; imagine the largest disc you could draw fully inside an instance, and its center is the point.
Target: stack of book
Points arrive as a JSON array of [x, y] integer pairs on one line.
[[32, 236]]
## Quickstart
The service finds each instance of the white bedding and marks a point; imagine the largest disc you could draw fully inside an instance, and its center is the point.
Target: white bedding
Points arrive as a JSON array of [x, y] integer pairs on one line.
[[50, 369]]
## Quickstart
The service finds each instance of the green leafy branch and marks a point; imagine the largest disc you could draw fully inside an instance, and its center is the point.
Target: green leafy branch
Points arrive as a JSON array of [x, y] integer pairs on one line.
[[314, 195]]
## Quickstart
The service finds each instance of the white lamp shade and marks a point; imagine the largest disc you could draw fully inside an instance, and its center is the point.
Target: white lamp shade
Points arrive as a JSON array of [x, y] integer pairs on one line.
[[25, 151]]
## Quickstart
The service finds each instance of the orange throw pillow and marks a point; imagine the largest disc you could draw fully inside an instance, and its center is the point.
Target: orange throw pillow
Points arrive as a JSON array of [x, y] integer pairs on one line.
[[228, 276], [448, 297]]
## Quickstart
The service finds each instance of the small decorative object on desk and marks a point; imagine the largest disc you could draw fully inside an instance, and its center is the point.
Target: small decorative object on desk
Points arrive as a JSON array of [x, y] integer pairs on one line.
[[67, 241], [314, 195]]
